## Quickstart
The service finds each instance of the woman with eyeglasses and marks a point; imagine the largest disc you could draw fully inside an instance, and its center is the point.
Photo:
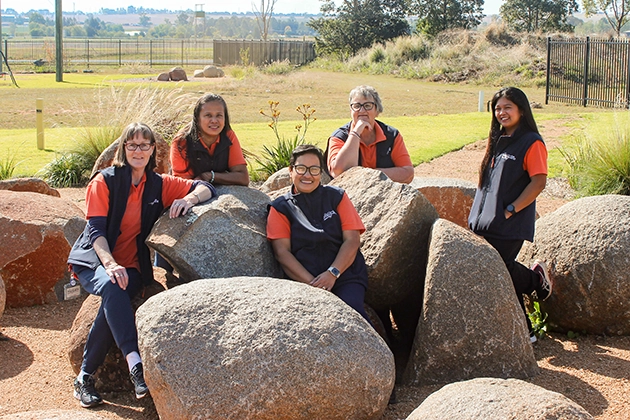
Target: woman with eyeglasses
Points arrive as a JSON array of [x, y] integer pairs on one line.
[[110, 258], [314, 231], [367, 142]]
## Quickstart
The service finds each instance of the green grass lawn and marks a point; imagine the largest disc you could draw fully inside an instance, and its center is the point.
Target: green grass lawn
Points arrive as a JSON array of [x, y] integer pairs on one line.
[[433, 118]]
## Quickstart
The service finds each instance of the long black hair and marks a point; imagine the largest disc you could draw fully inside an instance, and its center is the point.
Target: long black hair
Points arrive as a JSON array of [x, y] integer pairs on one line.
[[191, 131], [518, 97]]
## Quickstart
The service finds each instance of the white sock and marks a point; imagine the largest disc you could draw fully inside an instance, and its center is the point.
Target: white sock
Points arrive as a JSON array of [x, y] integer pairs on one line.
[[81, 375], [133, 359]]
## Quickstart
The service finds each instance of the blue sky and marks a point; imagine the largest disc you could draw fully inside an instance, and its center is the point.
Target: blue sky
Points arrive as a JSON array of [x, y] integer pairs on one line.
[[92, 6]]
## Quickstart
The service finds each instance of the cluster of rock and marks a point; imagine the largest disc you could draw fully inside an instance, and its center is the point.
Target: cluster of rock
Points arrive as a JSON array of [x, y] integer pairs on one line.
[[271, 346], [178, 74]]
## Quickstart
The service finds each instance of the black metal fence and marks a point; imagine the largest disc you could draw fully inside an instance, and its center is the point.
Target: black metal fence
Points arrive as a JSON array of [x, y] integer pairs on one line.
[[258, 52], [109, 52], [588, 72]]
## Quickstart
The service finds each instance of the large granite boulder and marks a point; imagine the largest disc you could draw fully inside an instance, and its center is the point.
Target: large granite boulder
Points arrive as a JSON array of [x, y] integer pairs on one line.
[[177, 74], [397, 219], [36, 234], [497, 399], [452, 198], [35, 185], [113, 375], [585, 244], [162, 157], [261, 348], [3, 296], [471, 323], [55, 415], [223, 237], [213, 71]]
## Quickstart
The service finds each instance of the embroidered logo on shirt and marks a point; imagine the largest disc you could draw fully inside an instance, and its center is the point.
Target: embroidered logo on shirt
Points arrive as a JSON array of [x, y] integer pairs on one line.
[[329, 214], [507, 156], [156, 201]]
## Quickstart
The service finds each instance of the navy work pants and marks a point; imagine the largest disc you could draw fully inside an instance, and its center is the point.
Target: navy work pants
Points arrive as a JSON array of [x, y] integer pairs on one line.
[[115, 321]]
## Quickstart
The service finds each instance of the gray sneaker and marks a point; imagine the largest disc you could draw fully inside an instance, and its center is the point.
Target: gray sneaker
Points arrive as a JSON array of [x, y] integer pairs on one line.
[[137, 378], [86, 393], [544, 289]]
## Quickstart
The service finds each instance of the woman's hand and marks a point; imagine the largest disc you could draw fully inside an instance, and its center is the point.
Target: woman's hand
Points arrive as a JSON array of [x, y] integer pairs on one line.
[[361, 125], [325, 281], [180, 207], [118, 274]]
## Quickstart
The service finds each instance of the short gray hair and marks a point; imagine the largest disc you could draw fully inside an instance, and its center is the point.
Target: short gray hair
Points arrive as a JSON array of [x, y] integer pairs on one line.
[[368, 92]]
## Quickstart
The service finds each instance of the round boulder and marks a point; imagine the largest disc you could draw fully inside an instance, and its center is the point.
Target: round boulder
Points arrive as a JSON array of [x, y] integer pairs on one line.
[[36, 185], [36, 234], [491, 398], [585, 244], [213, 71], [177, 74], [263, 348]]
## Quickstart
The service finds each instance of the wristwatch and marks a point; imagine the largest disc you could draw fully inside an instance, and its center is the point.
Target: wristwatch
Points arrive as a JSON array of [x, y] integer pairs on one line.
[[334, 271], [511, 209]]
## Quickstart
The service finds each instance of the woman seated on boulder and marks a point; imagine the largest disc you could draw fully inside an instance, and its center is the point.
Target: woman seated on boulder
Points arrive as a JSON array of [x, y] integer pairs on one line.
[[315, 232], [367, 142], [110, 258], [207, 148], [513, 173]]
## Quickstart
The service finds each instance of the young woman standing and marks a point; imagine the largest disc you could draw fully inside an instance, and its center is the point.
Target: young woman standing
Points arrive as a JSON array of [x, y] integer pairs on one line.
[[512, 174]]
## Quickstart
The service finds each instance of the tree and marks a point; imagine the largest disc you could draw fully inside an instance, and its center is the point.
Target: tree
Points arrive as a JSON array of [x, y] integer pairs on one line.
[[263, 16], [92, 25], [616, 11], [436, 16], [358, 24], [538, 15], [144, 20]]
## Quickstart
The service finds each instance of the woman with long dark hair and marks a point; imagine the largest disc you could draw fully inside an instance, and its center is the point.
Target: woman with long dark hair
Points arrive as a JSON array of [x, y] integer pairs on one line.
[[207, 148], [513, 173]]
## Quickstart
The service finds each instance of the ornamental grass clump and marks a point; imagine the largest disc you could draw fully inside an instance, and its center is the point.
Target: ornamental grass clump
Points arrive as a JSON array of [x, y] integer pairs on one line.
[[278, 156], [600, 165], [164, 110]]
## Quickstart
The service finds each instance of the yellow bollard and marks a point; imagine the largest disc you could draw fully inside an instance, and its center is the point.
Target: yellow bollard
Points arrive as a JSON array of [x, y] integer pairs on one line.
[[39, 121]]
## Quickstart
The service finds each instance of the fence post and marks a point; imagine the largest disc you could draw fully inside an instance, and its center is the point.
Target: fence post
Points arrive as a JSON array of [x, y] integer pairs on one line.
[[150, 53], [587, 53], [87, 52], [548, 70], [627, 74], [182, 53], [119, 53], [39, 122]]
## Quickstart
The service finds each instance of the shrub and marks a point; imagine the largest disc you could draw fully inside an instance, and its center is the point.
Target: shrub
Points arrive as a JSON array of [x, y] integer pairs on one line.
[[278, 68], [600, 165], [7, 166], [68, 170], [538, 319], [278, 156]]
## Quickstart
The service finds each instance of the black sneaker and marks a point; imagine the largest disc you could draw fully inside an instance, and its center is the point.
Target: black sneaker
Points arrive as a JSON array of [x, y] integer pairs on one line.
[[137, 378], [544, 289], [86, 393]]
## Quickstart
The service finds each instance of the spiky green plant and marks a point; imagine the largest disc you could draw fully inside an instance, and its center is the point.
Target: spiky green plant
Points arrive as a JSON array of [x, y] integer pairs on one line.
[[600, 165], [68, 170], [538, 319], [7, 166]]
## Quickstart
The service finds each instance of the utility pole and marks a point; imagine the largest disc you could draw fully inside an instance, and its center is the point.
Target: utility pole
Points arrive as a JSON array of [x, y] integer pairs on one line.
[[58, 41], [1, 43]]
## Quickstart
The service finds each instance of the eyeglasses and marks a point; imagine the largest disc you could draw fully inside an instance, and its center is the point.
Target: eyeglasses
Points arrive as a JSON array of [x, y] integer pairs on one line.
[[132, 147], [368, 106], [301, 169]]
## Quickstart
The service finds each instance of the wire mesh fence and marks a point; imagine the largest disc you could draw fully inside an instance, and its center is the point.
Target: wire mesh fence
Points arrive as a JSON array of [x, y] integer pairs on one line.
[[86, 53], [589, 72]]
